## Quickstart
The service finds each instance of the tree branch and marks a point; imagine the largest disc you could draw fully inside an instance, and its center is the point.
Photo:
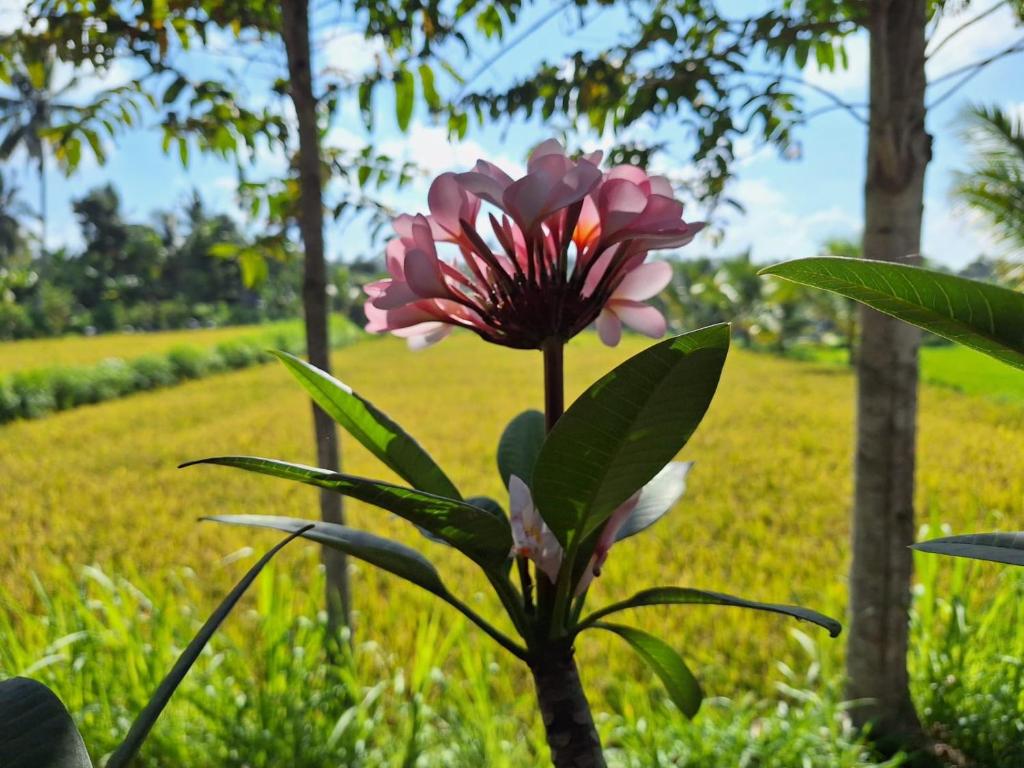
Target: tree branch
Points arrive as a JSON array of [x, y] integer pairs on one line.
[[837, 101], [970, 71], [962, 27]]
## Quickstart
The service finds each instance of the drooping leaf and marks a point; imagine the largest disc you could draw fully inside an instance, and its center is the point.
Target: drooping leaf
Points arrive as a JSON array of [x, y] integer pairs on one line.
[[996, 547], [405, 96], [379, 434], [390, 556], [479, 534], [487, 504], [129, 749], [682, 686], [520, 446], [685, 596], [985, 317], [656, 498], [36, 730], [624, 429]]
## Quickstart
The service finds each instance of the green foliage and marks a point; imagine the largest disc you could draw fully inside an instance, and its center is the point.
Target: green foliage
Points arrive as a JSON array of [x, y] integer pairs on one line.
[[978, 315], [37, 731], [520, 445], [995, 184], [624, 429], [995, 547]]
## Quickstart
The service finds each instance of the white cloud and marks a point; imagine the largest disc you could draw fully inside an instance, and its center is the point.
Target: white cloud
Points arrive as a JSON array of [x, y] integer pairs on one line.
[[773, 230], [430, 148]]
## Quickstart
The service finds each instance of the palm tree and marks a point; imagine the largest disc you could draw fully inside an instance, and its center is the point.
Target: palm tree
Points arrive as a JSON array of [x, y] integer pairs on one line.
[[995, 184], [11, 210], [26, 116]]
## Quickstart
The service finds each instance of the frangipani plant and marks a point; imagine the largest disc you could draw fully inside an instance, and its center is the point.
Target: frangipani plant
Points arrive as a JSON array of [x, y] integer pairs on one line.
[[569, 246], [982, 316]]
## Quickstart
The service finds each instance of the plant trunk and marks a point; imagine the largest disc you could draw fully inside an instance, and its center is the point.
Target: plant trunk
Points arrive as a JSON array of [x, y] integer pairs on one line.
[[295, 31], [568, 723], [42, 199], [899, 149]]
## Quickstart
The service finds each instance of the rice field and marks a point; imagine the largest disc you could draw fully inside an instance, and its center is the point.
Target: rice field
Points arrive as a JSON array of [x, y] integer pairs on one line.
[[765, 516]]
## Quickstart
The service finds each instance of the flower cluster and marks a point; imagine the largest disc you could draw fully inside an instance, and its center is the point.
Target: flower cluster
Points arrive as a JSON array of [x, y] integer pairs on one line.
[[567, 247]]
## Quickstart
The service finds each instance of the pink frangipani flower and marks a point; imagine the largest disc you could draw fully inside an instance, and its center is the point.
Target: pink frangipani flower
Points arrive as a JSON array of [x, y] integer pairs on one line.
[[567, 246]]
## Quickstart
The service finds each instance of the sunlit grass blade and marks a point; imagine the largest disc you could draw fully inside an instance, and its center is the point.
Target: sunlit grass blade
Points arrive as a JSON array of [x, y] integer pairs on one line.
[[520, 445], [390, 556], [378, 433], [686, 596], [995, 547], [624, 429], [143, 724], [36, 730], [481, 535], [682, 686], [979, 315]]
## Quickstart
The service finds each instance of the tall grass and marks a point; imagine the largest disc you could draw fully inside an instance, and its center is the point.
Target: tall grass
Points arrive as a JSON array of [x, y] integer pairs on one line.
[[264, 693]]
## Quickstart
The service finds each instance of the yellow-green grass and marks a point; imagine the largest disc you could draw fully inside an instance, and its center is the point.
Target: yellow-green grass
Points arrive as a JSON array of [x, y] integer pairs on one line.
[[765, 517], [88, 350]]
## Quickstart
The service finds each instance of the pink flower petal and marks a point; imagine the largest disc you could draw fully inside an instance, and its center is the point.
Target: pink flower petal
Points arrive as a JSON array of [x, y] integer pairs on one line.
[[424, 276], [394, 295], [449, 202], [608, 327], [544, 149], [621, 203], [644, 282], [430, 337], [393, 320], [640, 317], [486, 181]]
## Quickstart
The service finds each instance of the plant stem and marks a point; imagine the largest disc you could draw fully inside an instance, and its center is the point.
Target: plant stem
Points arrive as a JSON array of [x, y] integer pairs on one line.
[[554, 381], [568, 723]]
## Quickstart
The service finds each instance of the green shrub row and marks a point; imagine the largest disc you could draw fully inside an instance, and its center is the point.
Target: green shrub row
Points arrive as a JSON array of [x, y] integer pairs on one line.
[[35, 393]]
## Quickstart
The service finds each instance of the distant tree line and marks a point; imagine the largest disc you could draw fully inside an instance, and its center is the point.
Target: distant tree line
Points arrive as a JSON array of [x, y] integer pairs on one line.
[[184, 269]]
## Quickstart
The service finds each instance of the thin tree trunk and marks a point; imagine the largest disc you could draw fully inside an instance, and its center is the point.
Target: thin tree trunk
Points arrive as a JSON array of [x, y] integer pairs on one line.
[[568, 724], [883, 521], [42, 197], [295, 31]]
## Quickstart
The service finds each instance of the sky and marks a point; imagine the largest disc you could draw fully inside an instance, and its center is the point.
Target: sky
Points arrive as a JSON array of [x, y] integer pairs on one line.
[[790, 206]]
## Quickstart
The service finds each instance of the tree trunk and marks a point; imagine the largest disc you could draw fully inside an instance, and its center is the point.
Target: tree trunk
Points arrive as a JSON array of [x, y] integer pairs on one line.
[[883, 520], [42, 198], [568, 724], [295, 31]]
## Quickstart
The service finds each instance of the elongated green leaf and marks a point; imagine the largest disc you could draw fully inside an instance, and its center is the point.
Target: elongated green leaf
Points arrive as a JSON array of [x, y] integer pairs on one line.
[[624, 429], [985, 317], [520, 445], [387, 555], [478, 533], [682, 686], [405, 96], [390, 556], [379, 434], [995, 547], [656, 498], [685, 596], [36, 730], [143, 724]]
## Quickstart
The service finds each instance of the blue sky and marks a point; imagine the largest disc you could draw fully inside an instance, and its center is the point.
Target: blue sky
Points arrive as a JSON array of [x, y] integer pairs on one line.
[[791, 206]]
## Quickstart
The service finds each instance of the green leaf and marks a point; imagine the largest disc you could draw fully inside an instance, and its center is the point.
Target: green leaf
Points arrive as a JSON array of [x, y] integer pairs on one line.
[[174, 90], [985, 317], [995, 547], [479, 534], [624, 429], [390, 556], [656, 498], [520, 446], [379, 434], [682, 686], [405, 94], [430, 94], [685, 596], [143, 724], [36, 730]]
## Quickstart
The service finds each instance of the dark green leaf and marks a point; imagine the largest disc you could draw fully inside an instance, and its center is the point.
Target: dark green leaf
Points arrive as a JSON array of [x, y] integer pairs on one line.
[[487, 504], [379, 434], [985, 317], [430, 94], [996, 547], [387, 555], [624, 429], [656, 498], [405, 94], [36, 730], [685, 596], [479, 534], [174, 89], [520, 445], [682, 686], [140, 729]]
